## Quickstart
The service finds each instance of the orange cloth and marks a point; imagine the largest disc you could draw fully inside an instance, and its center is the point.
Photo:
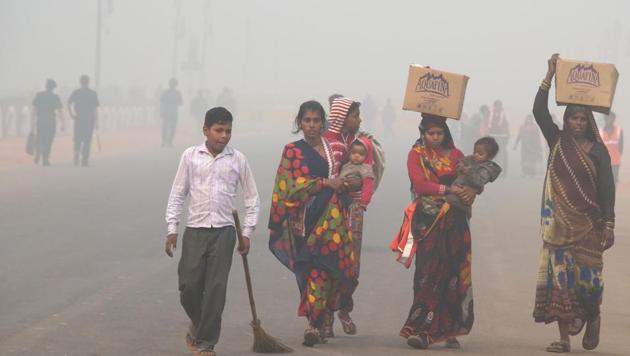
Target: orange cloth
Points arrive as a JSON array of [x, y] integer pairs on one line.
[[399, 243], [611, 140], [406, 249]]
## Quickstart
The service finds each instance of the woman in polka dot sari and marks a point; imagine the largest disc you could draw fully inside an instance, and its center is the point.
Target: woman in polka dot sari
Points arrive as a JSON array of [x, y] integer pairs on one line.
[[308, 223]]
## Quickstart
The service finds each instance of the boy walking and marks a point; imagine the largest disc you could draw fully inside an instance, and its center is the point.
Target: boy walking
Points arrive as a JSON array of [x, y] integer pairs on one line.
[[209, 175]]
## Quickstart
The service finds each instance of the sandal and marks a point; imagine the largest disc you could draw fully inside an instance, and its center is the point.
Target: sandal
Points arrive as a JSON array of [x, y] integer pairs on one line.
[[452, 343], [418, 341], [312, 337], [348, 325], [204, 352], [559, 347], [591, 335]]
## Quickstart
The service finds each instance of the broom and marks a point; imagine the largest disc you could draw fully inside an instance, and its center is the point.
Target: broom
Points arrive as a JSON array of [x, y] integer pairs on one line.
[[263, 343]]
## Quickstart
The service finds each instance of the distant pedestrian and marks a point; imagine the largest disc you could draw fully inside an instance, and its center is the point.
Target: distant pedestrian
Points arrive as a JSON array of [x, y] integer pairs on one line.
[[82, 106], [170, 101], [7, 118], [471, 130], [499, 128], [47, 110], [612, 135], [531, 146]]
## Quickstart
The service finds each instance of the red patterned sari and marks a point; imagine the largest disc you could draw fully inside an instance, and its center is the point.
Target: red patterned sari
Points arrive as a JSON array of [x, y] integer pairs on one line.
[[443, 302]]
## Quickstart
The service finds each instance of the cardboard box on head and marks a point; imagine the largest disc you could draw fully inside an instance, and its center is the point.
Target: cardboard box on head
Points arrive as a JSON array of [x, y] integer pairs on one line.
[[436, 92], [586, 83]]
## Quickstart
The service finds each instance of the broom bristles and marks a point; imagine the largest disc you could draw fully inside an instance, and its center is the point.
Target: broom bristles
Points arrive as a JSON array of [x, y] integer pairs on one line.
[[265, 343]]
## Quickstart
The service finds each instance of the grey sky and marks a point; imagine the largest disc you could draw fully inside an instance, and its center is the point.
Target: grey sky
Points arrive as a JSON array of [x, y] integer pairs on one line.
[[279, 52]]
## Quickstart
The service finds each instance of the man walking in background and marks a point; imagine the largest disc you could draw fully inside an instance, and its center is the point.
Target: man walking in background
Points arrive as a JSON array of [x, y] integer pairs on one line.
[[82, 106], [170, 102], [499, 128], [47, 109]]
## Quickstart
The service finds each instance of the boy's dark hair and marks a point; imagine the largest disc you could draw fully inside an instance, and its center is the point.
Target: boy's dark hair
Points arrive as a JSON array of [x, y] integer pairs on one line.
[[311, 105], [353, 107], [217, 115], [491, 145]]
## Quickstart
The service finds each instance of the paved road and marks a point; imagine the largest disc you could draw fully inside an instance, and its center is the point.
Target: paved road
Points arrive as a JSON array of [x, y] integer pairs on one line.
[[82, 268]]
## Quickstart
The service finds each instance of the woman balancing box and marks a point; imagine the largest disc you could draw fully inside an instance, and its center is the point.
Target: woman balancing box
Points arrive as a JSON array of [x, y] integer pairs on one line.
[[578, 217], [432, 231]]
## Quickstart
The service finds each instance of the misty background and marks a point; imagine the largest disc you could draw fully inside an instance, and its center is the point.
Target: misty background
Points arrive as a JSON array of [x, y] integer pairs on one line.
[[276, 54], [82, 263]]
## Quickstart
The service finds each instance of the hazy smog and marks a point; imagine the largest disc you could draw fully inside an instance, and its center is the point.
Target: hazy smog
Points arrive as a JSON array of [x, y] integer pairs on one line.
[[83, 269]]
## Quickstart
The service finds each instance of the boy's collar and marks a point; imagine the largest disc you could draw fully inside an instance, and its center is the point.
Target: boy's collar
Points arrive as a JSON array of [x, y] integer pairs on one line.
[[226, 151]]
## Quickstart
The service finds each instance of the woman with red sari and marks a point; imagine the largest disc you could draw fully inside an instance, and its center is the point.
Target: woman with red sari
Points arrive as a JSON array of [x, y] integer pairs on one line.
[[308, 223], [439, 238], [578, 221]]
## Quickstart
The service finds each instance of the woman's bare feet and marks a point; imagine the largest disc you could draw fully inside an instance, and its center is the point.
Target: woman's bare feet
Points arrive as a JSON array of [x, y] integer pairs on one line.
[[346, 322], [452, 343]]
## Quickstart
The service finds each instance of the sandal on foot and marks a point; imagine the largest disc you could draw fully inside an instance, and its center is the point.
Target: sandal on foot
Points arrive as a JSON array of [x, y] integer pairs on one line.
[[348, 325], [312, 337], [559, 347], [452, 343], [418, 341], [204, 352], [590, 340]]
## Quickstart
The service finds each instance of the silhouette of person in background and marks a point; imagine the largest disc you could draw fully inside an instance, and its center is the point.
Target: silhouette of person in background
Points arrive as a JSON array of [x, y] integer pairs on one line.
[[612, 135], [82, 105], [499, 128], [531, 146], [47, 109], [170, 102]]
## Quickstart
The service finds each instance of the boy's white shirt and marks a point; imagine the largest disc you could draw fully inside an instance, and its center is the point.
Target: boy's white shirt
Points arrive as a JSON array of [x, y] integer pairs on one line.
[[211, 183]]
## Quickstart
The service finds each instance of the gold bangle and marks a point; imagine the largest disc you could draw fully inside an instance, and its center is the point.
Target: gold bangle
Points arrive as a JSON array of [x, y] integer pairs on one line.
[[545, 85]]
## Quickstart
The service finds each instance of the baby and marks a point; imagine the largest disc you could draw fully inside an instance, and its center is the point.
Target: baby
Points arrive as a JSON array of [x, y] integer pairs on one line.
[[357, 168], [476, 170]]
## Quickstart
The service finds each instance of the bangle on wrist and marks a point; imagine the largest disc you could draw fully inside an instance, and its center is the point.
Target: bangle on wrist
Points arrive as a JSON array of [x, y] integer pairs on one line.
[[545, 85]]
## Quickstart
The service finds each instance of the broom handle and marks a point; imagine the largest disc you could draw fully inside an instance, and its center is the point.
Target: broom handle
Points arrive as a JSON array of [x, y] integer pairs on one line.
[[248, 278]]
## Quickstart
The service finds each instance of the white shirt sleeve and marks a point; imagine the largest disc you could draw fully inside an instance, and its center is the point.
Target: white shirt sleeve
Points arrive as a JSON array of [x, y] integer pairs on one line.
[[179, 191], [251, 199]]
